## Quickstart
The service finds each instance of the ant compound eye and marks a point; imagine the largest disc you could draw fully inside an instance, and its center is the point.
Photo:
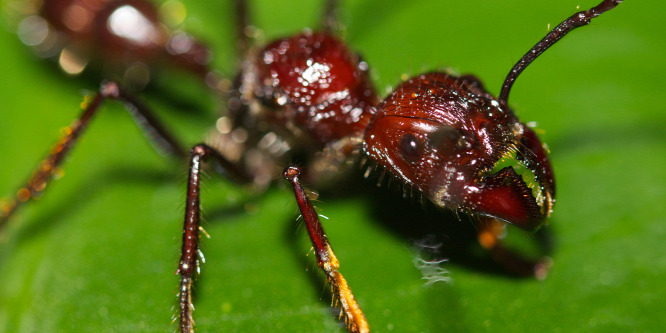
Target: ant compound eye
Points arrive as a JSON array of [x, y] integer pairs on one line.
[[447, 137], [411, 148]]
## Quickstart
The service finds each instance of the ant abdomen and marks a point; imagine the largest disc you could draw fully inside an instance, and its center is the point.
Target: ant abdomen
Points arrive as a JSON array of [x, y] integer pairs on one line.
[[304, 98], [125, 39]]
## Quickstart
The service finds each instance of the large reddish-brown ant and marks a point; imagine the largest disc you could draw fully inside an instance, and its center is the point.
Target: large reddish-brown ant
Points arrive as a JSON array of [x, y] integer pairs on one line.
[[523, 204]]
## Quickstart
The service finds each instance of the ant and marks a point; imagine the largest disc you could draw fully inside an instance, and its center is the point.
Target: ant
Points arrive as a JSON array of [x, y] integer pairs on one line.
[[524, 199]]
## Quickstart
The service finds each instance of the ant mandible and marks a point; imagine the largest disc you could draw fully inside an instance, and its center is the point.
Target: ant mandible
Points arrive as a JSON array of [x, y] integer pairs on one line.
[[440, 135]]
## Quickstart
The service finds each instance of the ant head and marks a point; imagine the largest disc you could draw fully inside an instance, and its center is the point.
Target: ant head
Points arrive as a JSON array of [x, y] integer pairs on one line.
[[454, 142], [451, 140]]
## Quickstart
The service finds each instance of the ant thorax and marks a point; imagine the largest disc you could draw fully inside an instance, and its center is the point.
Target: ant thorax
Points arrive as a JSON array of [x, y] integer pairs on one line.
[[307, 95]]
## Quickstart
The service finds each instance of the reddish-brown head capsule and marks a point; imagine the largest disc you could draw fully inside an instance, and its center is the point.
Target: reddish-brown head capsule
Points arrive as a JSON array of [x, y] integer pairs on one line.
[[312, 81], [450, 139]]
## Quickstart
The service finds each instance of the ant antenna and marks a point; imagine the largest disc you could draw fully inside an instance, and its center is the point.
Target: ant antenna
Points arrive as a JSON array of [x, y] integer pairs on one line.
[[575, 21]]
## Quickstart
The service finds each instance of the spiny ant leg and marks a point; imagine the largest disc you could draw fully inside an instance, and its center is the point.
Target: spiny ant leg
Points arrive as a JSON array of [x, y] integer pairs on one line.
[[189, 263], [577, 20], [152, 128], [326, 259], [490, 232], [47, 167], [189, 260]]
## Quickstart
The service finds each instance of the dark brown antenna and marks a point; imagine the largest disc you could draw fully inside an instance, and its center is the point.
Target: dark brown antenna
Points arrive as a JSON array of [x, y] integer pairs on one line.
[[575, 21]]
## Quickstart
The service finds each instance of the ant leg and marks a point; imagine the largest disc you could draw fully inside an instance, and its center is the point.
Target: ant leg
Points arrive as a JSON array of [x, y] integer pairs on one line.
[[189, 252], [329, 21], [189, 260], [48, 166], [489, 236], [242, 27], [326, 259], [152, 128]]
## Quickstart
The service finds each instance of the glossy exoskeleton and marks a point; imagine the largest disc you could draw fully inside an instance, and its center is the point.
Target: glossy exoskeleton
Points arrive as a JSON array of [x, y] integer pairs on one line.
[[124, 38], [441, 135]]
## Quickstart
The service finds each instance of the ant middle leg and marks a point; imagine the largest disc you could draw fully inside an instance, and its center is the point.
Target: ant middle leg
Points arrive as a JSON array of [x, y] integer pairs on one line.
[[188, 266]]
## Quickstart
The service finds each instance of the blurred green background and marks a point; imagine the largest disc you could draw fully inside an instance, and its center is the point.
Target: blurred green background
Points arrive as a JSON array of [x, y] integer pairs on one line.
[[98, 252]]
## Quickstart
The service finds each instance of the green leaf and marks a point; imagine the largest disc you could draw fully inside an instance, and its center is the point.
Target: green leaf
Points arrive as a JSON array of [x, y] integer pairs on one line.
[[97, 253]]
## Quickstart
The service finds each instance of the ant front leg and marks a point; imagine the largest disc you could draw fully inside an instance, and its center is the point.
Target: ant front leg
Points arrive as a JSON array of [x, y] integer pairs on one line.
[[326, 259], [190, 253], [40, 178]]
